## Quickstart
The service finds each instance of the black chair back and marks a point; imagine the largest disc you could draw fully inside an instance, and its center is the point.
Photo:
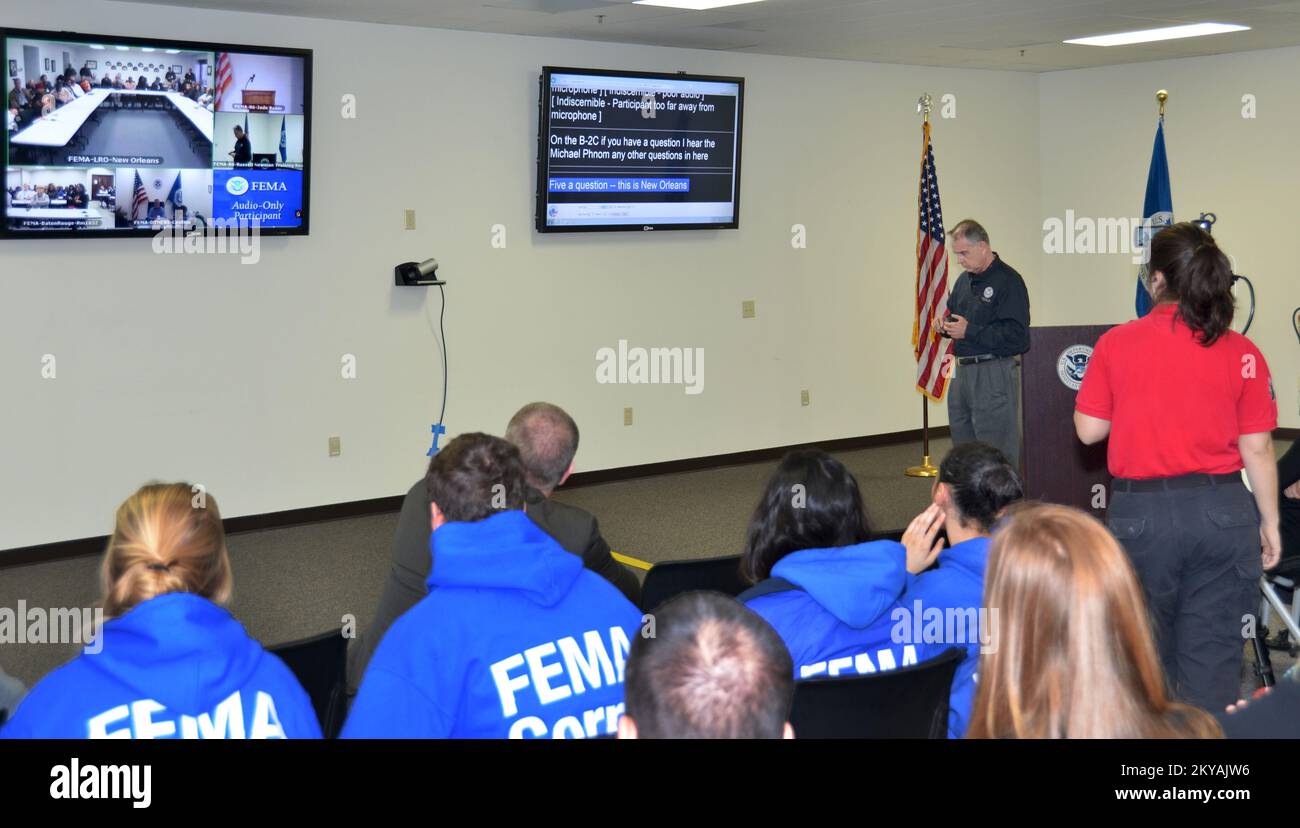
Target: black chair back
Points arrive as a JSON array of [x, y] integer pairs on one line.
[[904, 703], [671, 578], [320, 665]]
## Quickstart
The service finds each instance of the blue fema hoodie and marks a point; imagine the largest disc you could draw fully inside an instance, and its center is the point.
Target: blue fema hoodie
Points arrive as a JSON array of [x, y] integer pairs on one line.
[[515, 639], [838, 620], [175, 666], [957, 583]]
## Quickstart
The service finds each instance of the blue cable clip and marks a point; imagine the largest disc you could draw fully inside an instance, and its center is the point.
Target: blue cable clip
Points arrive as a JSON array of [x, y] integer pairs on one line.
[[438, 430]]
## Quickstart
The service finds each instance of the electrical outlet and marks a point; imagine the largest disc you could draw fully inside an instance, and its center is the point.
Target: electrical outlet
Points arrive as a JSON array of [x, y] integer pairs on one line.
[[410, 219], [335, 447], [747, 309], [803, 397], [627, 416]]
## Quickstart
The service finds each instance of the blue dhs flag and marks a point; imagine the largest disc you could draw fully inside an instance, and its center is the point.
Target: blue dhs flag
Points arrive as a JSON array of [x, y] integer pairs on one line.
[[175, 195], [1157, 209], [284, 144]]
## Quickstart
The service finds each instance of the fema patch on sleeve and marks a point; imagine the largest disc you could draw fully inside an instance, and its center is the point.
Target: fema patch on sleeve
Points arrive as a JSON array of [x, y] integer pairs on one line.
[[1071, 365]]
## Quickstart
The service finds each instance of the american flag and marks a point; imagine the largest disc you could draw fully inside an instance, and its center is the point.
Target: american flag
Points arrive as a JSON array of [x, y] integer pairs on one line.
[[140, 198], [932, 351], [225, 77]]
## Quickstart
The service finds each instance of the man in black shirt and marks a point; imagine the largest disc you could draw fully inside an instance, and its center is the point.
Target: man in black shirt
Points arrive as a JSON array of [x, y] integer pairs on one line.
[[243, 151], [988, 321]]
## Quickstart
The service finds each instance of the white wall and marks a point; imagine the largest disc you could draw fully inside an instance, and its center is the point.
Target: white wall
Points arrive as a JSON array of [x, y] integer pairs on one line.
[[80, 54], [199, 368], [59, 176], [188, 61], [1096, 131]]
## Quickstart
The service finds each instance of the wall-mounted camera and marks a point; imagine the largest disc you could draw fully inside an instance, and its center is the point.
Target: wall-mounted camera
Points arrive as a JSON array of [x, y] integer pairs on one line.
[[414, 274]]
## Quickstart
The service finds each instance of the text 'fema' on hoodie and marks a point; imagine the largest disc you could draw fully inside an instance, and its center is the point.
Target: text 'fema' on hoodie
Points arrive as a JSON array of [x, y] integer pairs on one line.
[[175, 666], [514, 640], [840, 618]]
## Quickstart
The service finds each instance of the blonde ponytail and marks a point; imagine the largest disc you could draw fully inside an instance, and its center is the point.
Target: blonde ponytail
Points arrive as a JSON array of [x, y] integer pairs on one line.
[[165, 541]]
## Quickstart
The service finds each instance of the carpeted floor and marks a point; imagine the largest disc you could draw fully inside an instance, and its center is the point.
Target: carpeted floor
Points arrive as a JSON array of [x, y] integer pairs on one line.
[[299, 581]]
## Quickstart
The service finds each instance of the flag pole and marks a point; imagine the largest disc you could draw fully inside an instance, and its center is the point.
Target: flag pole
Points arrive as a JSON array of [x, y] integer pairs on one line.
[[924, 105], [925, 469]]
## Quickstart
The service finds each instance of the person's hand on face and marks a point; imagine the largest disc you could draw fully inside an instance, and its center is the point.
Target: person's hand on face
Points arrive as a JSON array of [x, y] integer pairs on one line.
[[921, 541]]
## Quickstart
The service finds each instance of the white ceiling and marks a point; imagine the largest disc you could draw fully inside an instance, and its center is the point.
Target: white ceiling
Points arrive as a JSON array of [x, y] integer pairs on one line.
[[1020, 35]]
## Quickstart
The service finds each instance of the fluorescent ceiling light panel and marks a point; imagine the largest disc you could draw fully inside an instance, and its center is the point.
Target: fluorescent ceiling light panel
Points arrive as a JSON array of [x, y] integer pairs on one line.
[[1152, 35], [694, 5]]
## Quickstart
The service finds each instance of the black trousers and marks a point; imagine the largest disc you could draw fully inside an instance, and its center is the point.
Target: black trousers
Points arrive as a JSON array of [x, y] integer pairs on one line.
[[1197, 552], [1288, 472], [1289, 520], [984, 404]]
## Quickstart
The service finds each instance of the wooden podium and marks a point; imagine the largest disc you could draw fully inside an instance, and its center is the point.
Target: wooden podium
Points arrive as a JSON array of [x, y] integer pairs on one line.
[[1059, 468], [259, 100]]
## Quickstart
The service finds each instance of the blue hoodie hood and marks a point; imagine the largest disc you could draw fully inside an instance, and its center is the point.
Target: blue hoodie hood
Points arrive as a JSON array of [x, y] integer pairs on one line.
[[854, 583], [970, 557], [178, 628], [514, 640], [504, 551], [174, 666]]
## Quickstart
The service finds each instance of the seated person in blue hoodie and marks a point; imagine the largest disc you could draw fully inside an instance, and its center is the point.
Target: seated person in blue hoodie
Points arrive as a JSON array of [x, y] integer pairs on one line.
[[974, 486], [712, 670], [170, 662], [515, 638], [828, 591], [547, 439]]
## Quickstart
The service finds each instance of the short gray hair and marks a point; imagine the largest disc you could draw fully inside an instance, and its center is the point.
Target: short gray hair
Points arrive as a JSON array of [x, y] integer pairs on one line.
[[547, 439], [970, 230]]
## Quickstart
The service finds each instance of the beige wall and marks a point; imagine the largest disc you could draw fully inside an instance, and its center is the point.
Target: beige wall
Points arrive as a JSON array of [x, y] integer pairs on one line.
[[198, 368], [1096, 130], [183, 367]]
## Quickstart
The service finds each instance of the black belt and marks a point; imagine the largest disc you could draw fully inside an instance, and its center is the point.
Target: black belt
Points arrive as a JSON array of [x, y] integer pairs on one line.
[[1185, 481], [971, 360]]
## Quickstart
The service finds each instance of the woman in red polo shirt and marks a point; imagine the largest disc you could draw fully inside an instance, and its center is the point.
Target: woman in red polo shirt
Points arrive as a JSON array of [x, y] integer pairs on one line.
[[1187, 403]]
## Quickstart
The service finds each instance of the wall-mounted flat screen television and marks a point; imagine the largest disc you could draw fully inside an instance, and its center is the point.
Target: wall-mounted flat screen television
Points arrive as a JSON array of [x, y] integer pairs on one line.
[[619, 150], [110, 135]]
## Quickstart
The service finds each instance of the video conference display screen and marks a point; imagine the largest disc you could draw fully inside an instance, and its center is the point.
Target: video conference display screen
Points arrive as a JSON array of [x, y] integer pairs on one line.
[[638, 151], [113, 136]]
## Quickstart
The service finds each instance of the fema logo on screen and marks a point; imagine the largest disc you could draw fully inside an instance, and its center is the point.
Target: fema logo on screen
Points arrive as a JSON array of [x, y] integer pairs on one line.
[[1071, 365], [237, 185]]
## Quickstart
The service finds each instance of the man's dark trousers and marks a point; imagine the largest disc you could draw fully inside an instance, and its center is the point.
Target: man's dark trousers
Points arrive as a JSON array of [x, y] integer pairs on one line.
[[984, 404]]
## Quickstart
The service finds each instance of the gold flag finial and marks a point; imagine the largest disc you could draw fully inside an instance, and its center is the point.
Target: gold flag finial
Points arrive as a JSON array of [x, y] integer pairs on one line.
[[1161, 97], [924, 104]]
